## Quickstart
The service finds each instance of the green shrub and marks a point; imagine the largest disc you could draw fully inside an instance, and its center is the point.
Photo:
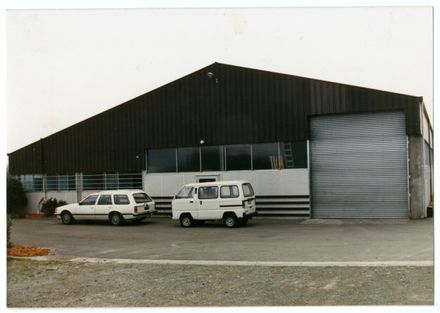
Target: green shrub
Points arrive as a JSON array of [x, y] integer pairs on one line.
[[16, 200], [9, 230], [48, 206]]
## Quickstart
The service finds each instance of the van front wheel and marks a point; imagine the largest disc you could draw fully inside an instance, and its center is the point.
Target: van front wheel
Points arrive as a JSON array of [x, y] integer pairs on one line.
[[230, 220], [186, 220]]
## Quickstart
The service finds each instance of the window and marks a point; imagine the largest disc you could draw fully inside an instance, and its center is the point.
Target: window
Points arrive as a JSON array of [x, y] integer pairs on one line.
[[248, 191], [265, 156], [37, 182], [111, 181], [188, 159], [60, 182], [185, 193], [229, 191], [161, 160], [238, 157], [210, 192], [90, 200], [213, 158], [66, 182], [105, 199], [141, 197], [427, 154], [130, 181], [93, 181], [52, 182], [31, 182], [294, 154], [121, 199]]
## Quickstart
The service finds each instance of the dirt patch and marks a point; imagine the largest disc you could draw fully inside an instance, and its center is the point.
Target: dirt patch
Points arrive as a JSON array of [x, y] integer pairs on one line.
[[36, 216], [27, 251]]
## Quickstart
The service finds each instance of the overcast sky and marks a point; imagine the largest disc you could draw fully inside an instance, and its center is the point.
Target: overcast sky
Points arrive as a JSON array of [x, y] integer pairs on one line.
[[67, 65]]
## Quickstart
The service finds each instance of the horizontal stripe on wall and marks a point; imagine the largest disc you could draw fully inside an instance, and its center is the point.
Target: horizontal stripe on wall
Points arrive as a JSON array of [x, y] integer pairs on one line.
[[267, 206]]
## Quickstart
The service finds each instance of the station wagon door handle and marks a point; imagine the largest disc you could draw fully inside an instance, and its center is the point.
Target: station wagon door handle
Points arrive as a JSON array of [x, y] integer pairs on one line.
[[191, 201], [200, 201]]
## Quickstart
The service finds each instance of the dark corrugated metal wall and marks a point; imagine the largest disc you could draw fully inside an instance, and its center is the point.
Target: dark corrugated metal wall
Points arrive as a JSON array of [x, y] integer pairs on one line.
[[235, 105]]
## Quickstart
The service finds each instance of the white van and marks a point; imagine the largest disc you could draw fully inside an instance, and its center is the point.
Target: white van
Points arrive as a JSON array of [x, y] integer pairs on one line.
[[232, 202]]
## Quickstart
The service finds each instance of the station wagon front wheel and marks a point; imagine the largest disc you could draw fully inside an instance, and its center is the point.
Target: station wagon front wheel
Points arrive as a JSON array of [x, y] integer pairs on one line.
[[66, 218], [186, 220], [116, 219]]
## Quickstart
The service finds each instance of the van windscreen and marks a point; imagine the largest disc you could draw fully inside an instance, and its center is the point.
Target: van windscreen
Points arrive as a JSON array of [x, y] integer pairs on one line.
[[185, 193]]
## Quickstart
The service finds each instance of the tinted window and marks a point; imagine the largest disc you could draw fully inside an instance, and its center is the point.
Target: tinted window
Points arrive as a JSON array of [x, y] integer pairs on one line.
[[161, 160], [294, 154], [229, 191], [111, 181], [130, 181], [90, 200], [188, 159], [265, 156], [105, 199], [93, 181], [141, 197], [51, 182], [121, 199], [66, 182], [212, 158], [248, 191], [238, 157], [185, 193], [210, 192]]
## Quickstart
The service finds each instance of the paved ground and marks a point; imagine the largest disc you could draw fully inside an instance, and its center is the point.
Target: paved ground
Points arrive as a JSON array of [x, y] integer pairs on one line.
[[260, 240], [212, 266]]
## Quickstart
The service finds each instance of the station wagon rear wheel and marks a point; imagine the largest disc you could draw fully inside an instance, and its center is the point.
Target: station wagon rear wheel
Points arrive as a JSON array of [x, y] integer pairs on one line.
[[186, 220], [116, 219], [230, 220], [66, 218]]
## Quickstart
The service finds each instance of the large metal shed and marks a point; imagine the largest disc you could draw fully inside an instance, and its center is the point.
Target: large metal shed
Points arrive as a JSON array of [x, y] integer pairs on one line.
[[358, 142]]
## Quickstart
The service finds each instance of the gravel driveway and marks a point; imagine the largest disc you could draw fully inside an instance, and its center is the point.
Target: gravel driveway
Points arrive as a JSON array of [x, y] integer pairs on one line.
[[68, 284]]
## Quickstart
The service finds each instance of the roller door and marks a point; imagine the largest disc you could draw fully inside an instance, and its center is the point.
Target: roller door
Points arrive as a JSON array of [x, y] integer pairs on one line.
[[359, 166]]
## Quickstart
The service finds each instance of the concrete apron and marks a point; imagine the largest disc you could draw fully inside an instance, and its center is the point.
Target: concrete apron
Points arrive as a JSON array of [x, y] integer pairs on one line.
[[236, 263]]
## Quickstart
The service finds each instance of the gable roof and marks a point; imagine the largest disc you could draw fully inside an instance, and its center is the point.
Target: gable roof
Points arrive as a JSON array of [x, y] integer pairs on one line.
[[220, 103]]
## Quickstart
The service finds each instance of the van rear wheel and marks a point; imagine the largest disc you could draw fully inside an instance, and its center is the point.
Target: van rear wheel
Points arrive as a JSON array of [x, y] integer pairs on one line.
[[230, 220], [186, 220]]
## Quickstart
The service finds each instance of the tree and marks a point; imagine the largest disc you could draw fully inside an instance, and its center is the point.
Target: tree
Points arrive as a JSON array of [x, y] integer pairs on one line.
[[16, 197]]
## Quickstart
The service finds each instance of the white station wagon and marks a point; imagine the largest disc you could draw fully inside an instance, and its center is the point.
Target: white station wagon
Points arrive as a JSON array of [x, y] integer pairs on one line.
[[116, 206], [232, 202]]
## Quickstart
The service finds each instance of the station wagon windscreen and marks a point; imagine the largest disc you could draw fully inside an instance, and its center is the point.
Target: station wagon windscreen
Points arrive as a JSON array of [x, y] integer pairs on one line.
[[141, 197], [185, 192], [247, 190]]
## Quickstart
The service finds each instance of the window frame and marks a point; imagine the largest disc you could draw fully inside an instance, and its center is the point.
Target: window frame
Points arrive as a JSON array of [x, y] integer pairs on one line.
[[208, 198], [120, 195], [106, 196], [230, 197], [89, 196]]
